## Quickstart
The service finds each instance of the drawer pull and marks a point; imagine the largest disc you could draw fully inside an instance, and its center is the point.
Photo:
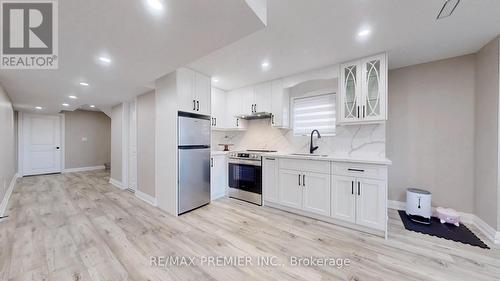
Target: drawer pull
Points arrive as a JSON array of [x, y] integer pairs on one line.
[[270, 159], [356, 170]]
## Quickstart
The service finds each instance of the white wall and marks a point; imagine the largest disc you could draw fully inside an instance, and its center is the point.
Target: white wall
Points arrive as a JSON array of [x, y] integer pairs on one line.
[[146, 152], [96, 128], [430, 131], [486, 135], [8, 165], [116, 142]]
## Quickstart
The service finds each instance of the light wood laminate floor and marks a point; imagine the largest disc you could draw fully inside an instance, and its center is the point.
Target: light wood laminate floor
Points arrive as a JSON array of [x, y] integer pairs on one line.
[[77, 226]]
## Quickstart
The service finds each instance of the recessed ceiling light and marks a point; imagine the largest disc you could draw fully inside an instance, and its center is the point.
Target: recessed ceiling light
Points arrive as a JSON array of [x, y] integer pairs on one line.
[[72, 97], [215, 80], [448, 8], [84, 84], [91, 106], [65, 104], [365, 32], [265, 65], [38, 107], [156, 4], [105, 59]]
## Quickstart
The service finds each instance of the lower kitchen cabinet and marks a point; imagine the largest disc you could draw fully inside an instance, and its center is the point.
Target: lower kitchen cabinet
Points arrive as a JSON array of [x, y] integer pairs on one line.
[[349, 194], [316, 193], [306, 191], [290, 189], [218, 176], [343, 199], [371, 209], [270, 179], [360, 201]]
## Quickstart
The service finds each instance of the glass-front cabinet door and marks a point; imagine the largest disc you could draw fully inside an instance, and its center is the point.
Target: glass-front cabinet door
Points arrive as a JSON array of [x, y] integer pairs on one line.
[[350, 92], [374, 88], [363, 90]]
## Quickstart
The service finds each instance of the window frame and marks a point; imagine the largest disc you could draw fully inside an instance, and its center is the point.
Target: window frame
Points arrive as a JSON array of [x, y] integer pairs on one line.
[[329, 91]]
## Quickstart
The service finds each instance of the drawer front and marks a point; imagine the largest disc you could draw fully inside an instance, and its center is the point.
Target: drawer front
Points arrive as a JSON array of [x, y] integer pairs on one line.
[[360, 170], [305, 165]]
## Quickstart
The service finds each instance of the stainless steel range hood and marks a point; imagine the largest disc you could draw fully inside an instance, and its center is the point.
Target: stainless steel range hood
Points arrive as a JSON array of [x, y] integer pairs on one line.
[[256, 115]]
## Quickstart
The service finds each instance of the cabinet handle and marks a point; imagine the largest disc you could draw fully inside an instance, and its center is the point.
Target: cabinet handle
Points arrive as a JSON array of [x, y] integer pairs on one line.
[[197, 105], [194, 105], [304, 180], [272, 159], [215, 119], [359, 188], [352, 187], [211, 162], [356, 170], [255, 108], [237, 122], [272, 118], [299, 181], [358, 111], [364, 111]]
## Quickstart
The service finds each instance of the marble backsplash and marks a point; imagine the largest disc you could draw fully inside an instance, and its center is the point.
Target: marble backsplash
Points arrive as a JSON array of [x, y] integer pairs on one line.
[[363, 141]]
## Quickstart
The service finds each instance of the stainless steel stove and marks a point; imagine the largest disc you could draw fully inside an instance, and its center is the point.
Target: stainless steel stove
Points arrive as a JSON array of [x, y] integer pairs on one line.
[[245, 175]]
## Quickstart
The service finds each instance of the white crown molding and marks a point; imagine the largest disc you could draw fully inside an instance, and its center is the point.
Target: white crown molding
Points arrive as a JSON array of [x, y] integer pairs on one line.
[[116, 183], [485, 228], [83, 169], [5, 200], [146, 197]]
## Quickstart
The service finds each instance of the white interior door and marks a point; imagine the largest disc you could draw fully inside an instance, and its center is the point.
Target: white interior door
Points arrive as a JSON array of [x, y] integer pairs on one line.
[[132, 170], [41, 144]]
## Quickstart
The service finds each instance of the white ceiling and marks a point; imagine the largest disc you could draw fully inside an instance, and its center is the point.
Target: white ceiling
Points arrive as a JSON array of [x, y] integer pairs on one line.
[[308, 34], [143, 44]]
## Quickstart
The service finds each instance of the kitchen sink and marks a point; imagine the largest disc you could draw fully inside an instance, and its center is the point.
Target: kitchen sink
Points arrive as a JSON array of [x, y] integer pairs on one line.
[[309, 155]]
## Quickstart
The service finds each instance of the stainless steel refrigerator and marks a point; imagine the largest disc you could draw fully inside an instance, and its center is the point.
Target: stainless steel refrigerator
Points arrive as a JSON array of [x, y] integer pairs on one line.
[[194, 161]]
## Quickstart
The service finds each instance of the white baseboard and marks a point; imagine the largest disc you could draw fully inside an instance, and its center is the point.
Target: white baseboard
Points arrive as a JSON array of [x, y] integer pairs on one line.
[[145, 197], [5, 200], [485, 228], [217, 196], [83, 169], [116, 183]]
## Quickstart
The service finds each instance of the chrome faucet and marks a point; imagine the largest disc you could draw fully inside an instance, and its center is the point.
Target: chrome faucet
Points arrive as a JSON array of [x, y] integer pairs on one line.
[[313, 148]]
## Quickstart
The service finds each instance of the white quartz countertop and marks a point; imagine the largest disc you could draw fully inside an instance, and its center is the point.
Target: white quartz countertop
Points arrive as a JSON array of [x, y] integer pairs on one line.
[[335, 158], [218, 152]]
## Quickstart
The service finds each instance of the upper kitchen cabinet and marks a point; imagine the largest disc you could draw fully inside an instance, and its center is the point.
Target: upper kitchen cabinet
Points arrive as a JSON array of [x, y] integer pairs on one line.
[[363, 90], [256, 98], [262, 97], [234, 108], [193, 89], [218, 108], [280, 105]]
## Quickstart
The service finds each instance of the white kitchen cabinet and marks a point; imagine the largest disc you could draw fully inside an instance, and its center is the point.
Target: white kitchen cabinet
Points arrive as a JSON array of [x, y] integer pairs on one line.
[[306, 191], [371, 208], [262, 97], [316, 193], [280, 105], [185, 89], [193, 90], [343, 201], [218, 108], [202, 93], [363, 90], [270, 181], [234, 109], [359, 200], [218, 176], [290, 189], [247, 96]]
